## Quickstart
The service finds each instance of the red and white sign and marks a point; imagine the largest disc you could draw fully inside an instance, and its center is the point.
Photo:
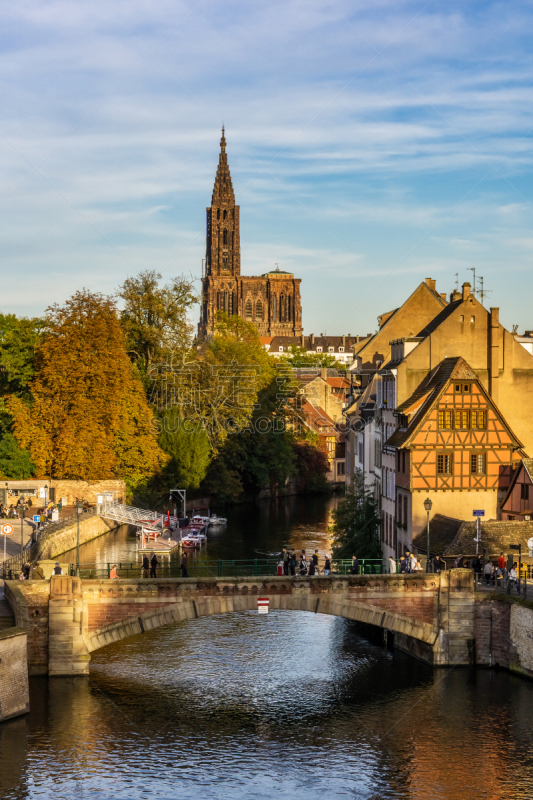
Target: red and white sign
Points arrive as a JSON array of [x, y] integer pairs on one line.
[[7, 529], [262, 605]]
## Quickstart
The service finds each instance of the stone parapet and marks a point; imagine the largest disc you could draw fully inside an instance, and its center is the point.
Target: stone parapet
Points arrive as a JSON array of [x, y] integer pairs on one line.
[[14, 689]]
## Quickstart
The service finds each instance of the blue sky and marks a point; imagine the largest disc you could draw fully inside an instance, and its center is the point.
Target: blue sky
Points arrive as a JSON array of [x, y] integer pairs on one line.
[[371, 145]]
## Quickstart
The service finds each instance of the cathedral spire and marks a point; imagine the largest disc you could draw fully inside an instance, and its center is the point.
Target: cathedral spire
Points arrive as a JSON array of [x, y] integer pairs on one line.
[[223, 189]]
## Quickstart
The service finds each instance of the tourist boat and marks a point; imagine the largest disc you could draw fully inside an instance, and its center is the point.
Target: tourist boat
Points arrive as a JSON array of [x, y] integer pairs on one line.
[[193, 537], [208, 519]]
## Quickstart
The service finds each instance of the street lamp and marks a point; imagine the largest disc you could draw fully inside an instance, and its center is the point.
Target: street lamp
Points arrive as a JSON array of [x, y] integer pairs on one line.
[[79, 512], [427, 505], [22, 511]]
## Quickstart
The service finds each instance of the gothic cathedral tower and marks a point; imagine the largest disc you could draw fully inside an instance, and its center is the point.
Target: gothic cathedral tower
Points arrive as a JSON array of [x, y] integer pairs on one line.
[[270, 301]]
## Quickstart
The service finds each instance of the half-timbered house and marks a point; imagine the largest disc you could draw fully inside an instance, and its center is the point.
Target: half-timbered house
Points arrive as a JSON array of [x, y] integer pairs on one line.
[[453, 445], [518, 502]]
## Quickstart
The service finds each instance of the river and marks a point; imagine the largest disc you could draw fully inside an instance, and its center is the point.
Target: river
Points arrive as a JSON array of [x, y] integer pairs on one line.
[[288, 706]]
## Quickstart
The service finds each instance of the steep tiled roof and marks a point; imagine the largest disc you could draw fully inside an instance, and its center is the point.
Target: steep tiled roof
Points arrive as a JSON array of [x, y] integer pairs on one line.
[[496, 536], [338, 383], [428, 391], [527, 464], [442, 530], [317, 418]]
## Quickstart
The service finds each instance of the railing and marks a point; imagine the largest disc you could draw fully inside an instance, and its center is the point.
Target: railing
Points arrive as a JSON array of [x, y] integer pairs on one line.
[[129, 515], [11, 567], [260, 567], [505, 584]]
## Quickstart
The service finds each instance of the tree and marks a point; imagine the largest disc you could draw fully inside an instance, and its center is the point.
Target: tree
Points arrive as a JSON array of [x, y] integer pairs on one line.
[[88, 417], [188, 448], [357, 522], [18, 340], [297, 357], [312, 464], [155, 318], [15, 463]]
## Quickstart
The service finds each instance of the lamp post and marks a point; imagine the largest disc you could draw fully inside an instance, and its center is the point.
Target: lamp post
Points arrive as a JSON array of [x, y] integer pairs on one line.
[[22, 514], [427, 505], [79, 512]]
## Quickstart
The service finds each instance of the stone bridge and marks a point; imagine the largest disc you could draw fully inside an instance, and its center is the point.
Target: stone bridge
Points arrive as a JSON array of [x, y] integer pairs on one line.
[[431, 616]]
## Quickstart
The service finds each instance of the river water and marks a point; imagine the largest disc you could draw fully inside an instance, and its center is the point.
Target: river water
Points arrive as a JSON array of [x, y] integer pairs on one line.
[[291, 706]]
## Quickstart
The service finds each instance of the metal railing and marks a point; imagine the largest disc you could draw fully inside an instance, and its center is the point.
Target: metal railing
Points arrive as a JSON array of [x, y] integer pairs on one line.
[[11, 567], [197, 568], [505, 584]]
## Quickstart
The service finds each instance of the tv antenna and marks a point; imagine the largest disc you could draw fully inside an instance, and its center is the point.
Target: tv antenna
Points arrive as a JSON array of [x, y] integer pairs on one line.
[[456, 281], [482, 291], [473, 269]]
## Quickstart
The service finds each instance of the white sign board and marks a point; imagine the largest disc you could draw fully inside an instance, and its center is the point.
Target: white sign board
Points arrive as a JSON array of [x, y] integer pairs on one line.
[[42, 492], [262, 605], [100, 499]]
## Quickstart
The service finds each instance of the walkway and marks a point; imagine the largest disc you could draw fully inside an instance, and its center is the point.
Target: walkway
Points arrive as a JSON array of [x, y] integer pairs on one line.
[[13, 541]]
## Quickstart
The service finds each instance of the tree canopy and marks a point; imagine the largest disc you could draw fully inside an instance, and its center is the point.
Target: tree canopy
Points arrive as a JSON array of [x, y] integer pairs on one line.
[[297, 357], [357, 522], [155, 318], [87, 417]]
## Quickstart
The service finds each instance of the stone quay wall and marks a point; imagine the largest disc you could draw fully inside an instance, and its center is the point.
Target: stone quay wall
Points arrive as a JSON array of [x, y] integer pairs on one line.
[[14, 689], [91, 527]]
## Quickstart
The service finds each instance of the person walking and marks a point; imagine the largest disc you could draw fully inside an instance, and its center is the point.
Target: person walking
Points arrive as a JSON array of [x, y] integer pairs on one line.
[[412, 562], [501, 561], [303, 564], [153, 565], [57, 569], [327, 566], [315, 558], [354, 569], [281, 567], [292, 562], [392, 565], [26, 567], [311, 567], [284, 556], [487, 571], [114, 574], [145, 566], [183, 565], [38, 574]]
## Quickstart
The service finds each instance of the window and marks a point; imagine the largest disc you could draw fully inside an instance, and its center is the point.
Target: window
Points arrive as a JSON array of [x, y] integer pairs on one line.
[[472, 319], [259, 310], [225, 213], [248, 309], [477, 463], [405, 511], [461, 318], [399, 460], [225, 261], [274, 308], [444, 464], [319, 349], [466, 388], [377, 453], [341, 349], [403, 460], [478, 419], [445, 420], [524, 491], [225, 236], [289, 309], [218, 213], [458, 387], [331, 349], [461, 420], [340, 468], [281, 348]]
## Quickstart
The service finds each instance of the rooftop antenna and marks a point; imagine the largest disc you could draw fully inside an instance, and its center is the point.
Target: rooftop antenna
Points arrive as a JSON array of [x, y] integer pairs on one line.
[[456, 281], [482, 291], [515, 330], [473, 269]]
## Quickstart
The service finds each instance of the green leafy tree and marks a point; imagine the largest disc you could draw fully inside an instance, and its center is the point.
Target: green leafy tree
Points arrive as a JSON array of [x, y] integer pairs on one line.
[[155, 319], [15, 463], [357, 522], [188, 449]]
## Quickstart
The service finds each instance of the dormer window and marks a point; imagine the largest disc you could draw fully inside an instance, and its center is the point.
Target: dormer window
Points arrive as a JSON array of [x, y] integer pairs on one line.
[[281, 348], [319, 349], [341, 349], [331, 349]]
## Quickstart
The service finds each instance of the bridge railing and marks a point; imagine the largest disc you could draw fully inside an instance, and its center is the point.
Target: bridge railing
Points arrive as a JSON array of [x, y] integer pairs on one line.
[[261, 567]]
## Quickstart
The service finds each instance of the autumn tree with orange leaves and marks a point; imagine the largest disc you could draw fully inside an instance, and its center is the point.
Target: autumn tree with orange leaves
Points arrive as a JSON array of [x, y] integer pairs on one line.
[[87, 417]]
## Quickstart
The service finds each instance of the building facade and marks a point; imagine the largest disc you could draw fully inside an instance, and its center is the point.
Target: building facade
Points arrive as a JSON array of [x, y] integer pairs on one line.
[[271, 301]]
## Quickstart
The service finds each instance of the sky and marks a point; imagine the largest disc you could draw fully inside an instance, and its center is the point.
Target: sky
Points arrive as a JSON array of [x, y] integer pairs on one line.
[[371, 144]]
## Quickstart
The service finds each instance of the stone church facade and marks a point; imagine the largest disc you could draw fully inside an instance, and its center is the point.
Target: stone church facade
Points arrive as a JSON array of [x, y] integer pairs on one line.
[[271, 301]]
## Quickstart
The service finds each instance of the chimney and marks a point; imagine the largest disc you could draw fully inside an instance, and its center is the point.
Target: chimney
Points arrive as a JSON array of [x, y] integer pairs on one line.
[[443, 296], [323, 373], [343, 341], [431, 283], [494, 352], [455, 296], [302, 337], [312, 339], [466, 290]]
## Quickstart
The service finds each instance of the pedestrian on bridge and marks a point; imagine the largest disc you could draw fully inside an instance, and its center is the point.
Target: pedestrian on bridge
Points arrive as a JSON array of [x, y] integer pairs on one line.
[[292, 562], [183, 565], [327, 565], [315, 558], [114, 573], [392, 565], [145, 566], [153, 565], [355, 566]]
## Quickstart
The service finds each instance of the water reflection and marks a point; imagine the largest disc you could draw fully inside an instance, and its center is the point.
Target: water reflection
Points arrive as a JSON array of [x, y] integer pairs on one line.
[[291, 705]]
